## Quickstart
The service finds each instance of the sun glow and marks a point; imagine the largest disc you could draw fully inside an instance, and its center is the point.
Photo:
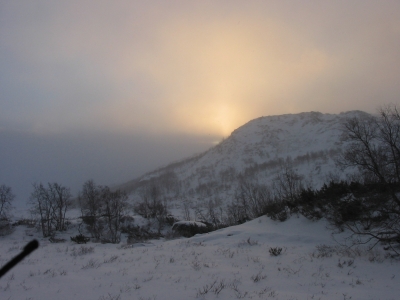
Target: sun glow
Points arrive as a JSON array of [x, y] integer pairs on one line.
[[212, 77], [226, 117]]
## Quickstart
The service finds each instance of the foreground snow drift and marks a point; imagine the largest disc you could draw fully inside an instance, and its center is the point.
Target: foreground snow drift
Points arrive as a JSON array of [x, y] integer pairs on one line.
[[231, 263]]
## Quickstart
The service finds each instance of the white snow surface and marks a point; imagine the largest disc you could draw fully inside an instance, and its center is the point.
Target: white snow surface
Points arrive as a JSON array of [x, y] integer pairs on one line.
[[230, 263]]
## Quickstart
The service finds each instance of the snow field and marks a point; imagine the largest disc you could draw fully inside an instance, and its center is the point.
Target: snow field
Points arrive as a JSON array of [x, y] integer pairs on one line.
[[231, 263]]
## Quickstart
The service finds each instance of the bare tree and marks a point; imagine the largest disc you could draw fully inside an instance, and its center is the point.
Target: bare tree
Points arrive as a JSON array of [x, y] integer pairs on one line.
[[50, 205], [42, 206], [234, 213], [288, 183], [389, 137], [214, 212], [374, 149], [253, 198], [186, 210], [6, 199], [91, 207], [61, 198], [152, 206], [114, 205], [102, 211]]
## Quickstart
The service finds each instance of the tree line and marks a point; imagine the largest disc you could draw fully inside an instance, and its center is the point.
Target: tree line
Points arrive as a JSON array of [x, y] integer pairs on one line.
[[102, 209]]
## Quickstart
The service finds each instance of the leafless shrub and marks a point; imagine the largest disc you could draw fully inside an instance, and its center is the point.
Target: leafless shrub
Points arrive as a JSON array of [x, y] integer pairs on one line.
[[251, 242], [110, 297], [375, 255], [248, 242], [82, 250], [50, 272], [275, 251], [264, 291], [324, 251], [111, 259], [13, 248], [227, 252], [148, 279], [218, 287], [196, 265], [345, 262], [91, 264], [238, 293], [209, 287], [259, 276]]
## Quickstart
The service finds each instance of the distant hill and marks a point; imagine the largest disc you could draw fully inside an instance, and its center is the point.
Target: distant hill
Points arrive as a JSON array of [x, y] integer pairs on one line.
[[256, 151]]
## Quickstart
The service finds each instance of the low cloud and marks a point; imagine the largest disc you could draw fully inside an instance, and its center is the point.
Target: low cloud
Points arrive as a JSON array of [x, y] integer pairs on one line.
[[136, 75], [192, 67]]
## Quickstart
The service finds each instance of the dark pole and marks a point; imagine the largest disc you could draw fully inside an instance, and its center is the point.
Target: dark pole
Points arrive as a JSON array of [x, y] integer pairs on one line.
[[28, 249]]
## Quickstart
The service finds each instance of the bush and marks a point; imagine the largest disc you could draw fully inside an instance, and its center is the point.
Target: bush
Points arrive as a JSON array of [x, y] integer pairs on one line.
[[83, 250], [275, 251], [277, 210], [80, 239]]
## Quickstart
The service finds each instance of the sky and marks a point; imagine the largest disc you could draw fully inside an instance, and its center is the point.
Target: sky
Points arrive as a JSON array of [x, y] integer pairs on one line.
[[108, 90]]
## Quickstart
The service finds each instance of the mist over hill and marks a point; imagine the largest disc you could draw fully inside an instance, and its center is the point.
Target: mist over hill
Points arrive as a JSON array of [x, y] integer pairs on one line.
[[257, 152]]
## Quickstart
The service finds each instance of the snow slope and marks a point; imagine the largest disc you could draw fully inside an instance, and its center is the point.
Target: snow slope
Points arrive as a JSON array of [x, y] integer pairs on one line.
[[256, 151], [230, 263]]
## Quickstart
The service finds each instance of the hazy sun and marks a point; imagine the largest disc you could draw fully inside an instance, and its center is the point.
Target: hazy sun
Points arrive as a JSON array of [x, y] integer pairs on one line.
[[225, 119], [211, 78]]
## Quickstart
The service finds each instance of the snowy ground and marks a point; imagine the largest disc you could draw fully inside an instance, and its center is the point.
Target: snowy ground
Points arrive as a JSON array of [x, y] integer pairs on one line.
[[231, 263]]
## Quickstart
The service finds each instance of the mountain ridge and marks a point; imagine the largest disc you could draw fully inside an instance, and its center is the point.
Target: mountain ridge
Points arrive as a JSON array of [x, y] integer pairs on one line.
[[309, 142]]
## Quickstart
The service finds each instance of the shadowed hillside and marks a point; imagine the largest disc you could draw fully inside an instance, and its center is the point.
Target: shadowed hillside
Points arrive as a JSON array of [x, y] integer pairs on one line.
[[306, 143]]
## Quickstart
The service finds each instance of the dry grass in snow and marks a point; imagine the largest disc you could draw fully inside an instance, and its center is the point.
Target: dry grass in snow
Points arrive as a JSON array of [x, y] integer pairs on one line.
[[232, 263]]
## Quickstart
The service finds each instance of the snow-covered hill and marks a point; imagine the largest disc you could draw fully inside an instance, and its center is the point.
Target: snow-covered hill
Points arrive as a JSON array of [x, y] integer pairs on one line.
[[260, 259], [308, 142]]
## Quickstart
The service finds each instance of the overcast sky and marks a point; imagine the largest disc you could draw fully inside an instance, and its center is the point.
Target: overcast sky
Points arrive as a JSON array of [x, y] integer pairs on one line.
[[111, 89]]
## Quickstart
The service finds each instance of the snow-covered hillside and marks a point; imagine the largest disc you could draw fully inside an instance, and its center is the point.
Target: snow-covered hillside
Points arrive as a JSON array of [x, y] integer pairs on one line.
[[260, 259], [256, 151], [231, 263]]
